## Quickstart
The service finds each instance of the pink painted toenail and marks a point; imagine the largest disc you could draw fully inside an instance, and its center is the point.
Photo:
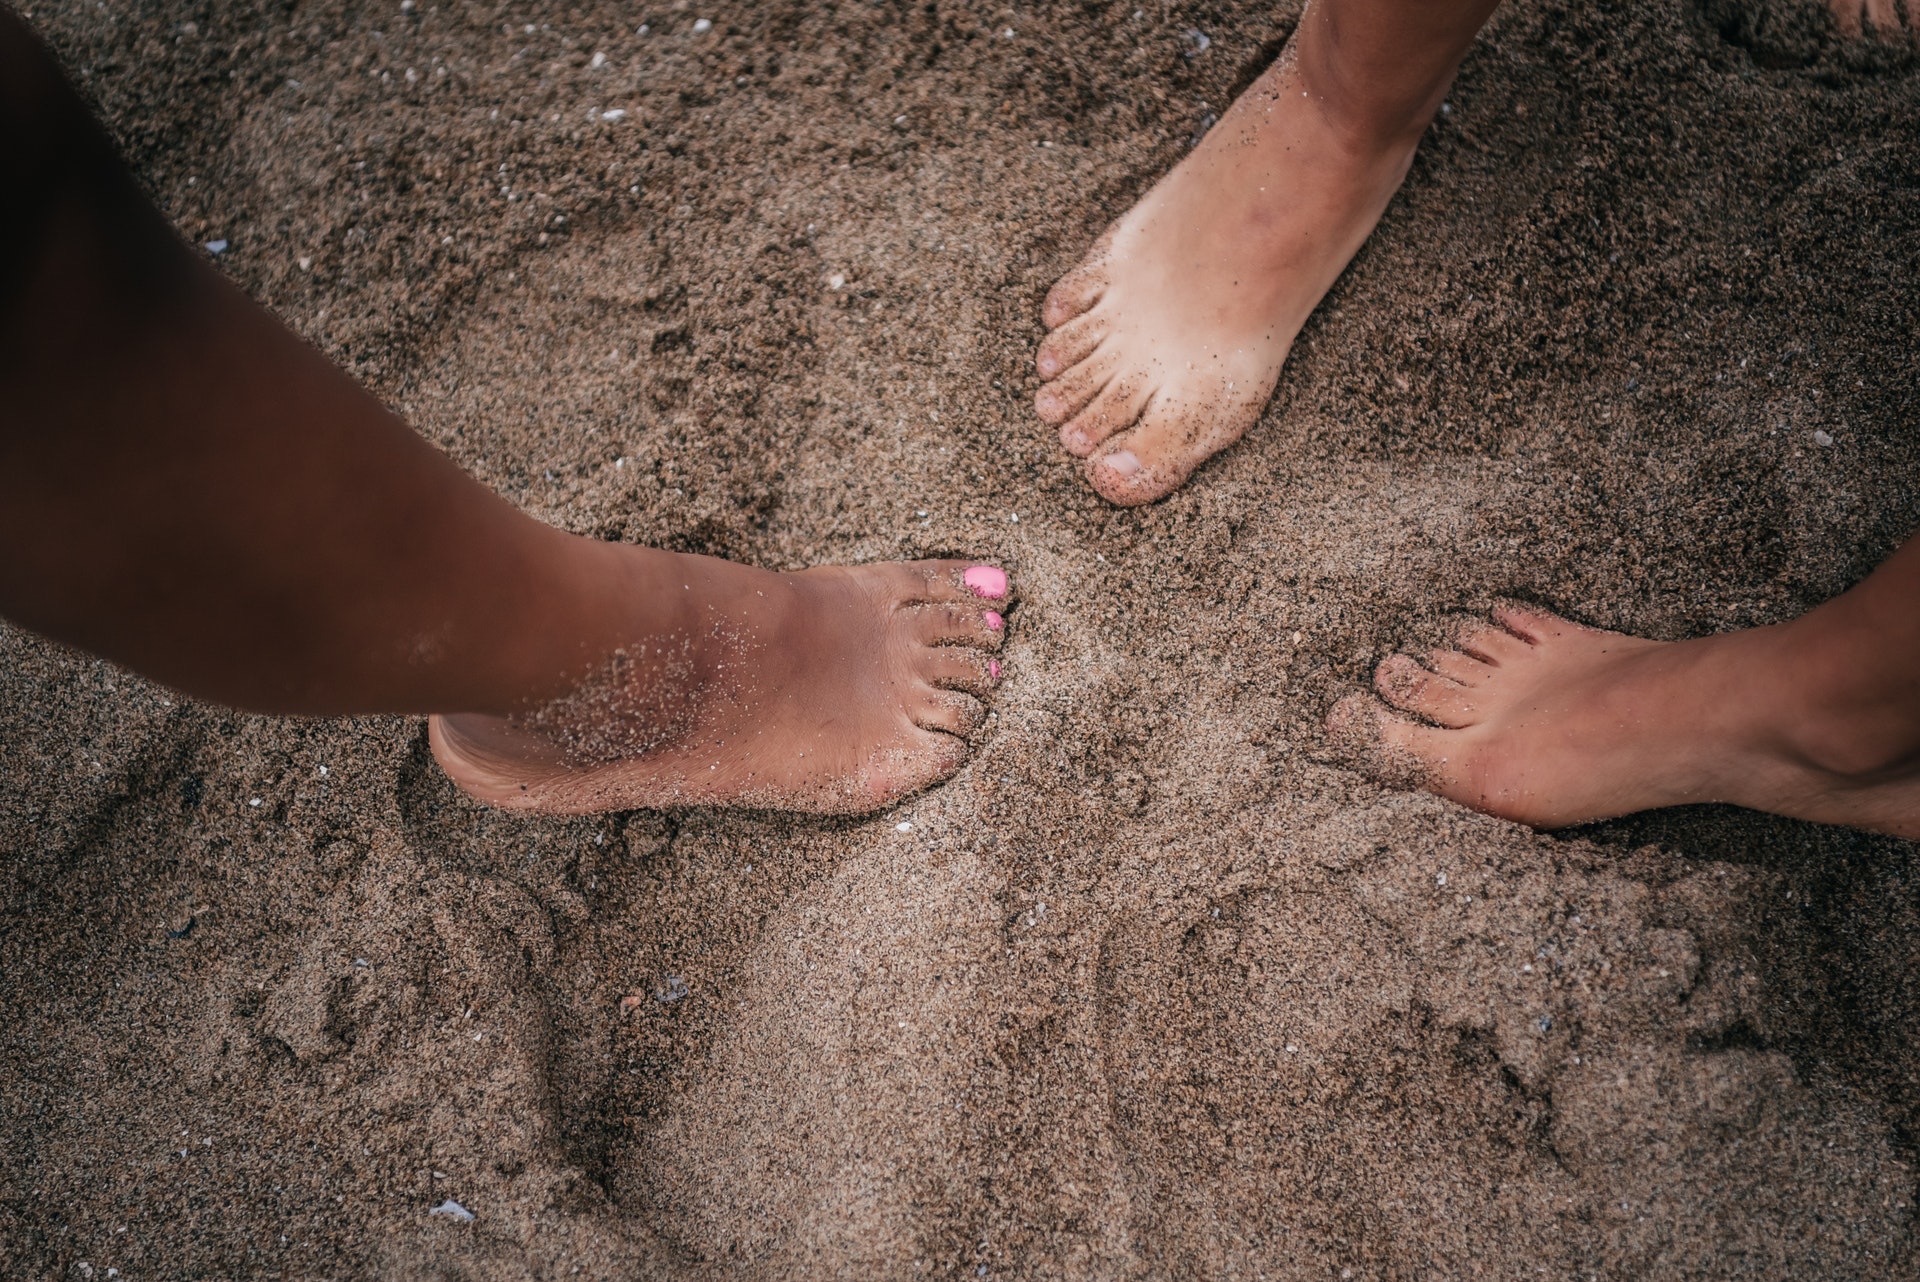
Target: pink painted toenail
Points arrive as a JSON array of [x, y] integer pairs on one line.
[[993, 669], [994, 621], [1123, 462], [987, 581]]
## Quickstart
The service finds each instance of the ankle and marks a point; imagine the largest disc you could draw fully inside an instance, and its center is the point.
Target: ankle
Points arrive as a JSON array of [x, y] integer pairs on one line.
[[1370, 113], [1841, 713]]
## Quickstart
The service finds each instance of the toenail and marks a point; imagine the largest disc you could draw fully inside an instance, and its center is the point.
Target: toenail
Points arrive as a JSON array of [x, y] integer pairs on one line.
[[988, 581], [994, 621], [1122, 462], [993, 669]]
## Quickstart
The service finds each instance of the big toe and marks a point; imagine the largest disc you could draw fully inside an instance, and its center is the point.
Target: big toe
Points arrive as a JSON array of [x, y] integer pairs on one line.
[[1399, 752], [1158, 455]]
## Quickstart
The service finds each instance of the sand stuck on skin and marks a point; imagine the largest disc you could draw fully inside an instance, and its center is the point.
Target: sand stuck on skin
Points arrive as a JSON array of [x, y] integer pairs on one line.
[[1155, 987]]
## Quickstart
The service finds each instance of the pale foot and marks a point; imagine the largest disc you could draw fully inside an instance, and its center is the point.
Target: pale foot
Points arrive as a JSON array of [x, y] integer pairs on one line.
[[1168, 338], [1550, 723], [831, 690]]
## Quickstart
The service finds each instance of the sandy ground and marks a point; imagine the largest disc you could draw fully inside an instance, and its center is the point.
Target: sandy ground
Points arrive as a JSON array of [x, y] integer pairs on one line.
[[1154, 988]]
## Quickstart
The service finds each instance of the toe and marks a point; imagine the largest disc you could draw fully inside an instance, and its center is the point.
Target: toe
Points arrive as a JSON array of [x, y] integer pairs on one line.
[[1114, 409], [1490, 644], [962, 668], [949, 711], [966, 625], [1072, 343], [1073, 294], [1060, 400], [1154, 458], [952, 582], [921, 758], [1530, 623], [1882, 18], [1411, 688], [1395, 750], [1458, 668]]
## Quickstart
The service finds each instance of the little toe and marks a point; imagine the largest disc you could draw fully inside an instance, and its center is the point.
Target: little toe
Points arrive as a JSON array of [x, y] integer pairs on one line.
[[948, 711], [962, 668], [922, 758], [1072, 343], [1411, 688], [977, 625], [1073, 294], [1457, 667], [1490, 644], [1114, 409], [1060, 400]]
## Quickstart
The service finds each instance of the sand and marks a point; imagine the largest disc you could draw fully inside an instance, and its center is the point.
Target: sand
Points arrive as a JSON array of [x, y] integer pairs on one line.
[[1156, 987]]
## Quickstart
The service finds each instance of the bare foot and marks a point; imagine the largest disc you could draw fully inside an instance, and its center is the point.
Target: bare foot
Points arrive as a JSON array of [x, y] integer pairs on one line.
[[1856, 18], [830, 690], [1167, 340], [1551, 723]]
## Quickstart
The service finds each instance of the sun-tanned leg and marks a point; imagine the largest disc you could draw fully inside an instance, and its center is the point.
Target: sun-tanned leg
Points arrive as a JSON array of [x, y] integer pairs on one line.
[[1550, 723], [1167, 339], [189, 489]]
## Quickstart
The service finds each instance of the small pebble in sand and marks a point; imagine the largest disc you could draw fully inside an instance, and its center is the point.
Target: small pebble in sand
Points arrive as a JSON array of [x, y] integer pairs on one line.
[[615, 113], [306, 263], [630, 1002], [1200, 41], [672, 988], [836, 281], [903, 826], [644, 29], [254, 802], [453, 1211], [216, 247], [1821, 438], [598, 61], [701, 27], [1440, 879]]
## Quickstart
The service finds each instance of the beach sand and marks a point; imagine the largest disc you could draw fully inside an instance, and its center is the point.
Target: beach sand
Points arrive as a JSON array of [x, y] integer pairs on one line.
[[1155, 987]]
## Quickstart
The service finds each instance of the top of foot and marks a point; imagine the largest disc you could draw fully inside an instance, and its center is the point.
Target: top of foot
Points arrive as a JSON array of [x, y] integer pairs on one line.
[[1168, 338], [835, 690]]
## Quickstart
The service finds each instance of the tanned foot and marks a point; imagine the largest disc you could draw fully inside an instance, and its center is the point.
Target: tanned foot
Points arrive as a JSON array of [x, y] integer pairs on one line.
[[831, 690], [1550, 723], [1167, 339], [1856, 18]]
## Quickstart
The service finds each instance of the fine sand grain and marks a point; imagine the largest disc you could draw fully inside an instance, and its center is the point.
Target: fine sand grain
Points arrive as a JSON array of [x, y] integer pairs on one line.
[[1154, 988]]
